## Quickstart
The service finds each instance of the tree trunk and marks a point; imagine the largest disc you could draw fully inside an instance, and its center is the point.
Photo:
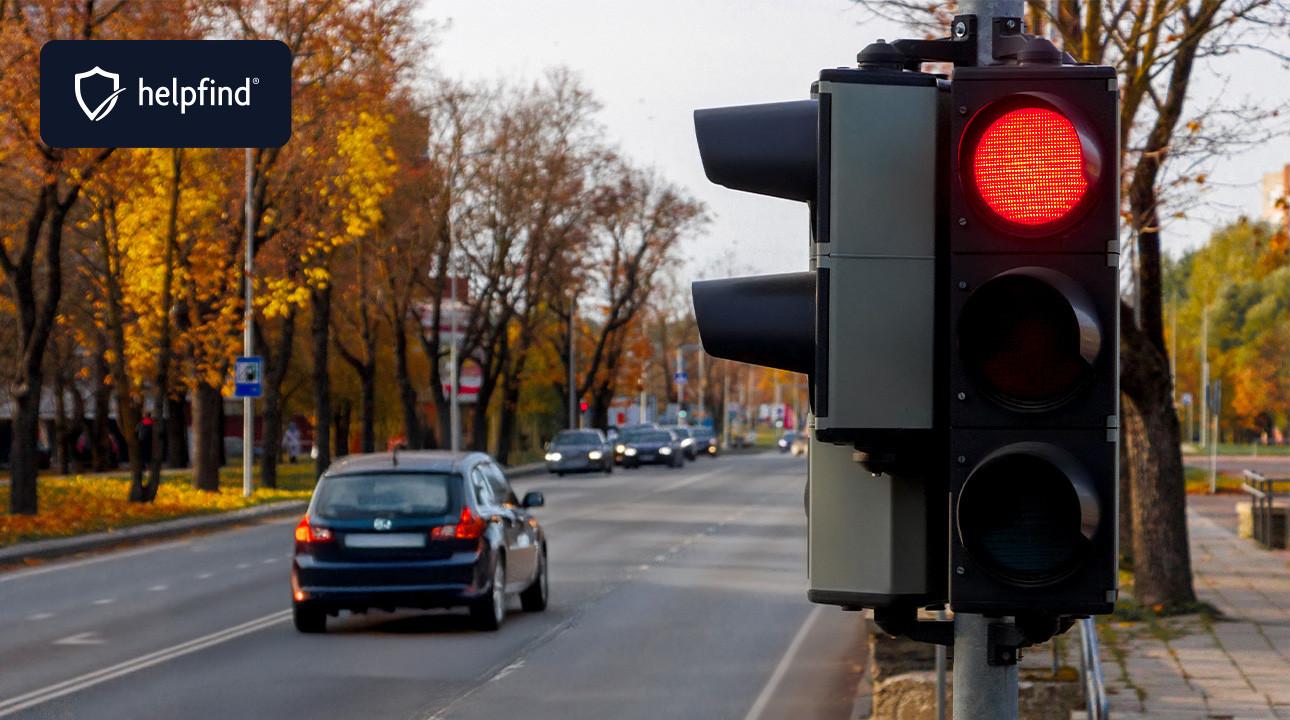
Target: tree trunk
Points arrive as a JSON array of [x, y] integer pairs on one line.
[[1130, 465], [279, 359], [176, 432], [77, 430], [1161, 556], [23, 460], [367, 413], [321, 301], [340, 424], [407, 394], [62, 427], [102, 457], [208, 437]]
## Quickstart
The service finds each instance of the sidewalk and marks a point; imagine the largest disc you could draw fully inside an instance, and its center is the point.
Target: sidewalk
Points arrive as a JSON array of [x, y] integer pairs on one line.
[[1233, 668]]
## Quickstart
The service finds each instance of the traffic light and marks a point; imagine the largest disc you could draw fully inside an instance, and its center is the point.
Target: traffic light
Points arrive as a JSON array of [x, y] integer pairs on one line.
[[958, 323], [1033, 251]]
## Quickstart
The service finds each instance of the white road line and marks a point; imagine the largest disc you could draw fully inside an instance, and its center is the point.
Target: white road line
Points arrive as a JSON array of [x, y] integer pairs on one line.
[[781, 668], [204, 576], [85, 638], [105, 601], [243, 566], [269, 561], [40, 616], [36, 697], [158, 588]]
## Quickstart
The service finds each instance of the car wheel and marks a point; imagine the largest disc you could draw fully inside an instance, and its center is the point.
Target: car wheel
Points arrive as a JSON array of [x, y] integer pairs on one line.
[[609, 468], [490, 610], [533, 599], [308, 620], [559, 474]]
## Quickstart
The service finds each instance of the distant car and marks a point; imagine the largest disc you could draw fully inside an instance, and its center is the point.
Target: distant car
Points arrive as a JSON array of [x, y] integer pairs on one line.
[[800, 445], [705, 441], [687, 440], [626, 431], [424, 529], [656, 446], [579, 451], [785, 441]]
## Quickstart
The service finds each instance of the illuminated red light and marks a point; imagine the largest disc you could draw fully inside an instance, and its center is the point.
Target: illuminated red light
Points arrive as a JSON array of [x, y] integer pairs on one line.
[[469, 527], [1028, 166]]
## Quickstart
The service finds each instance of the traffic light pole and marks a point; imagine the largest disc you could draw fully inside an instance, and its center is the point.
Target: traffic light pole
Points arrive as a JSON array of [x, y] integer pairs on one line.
[[981, 691]]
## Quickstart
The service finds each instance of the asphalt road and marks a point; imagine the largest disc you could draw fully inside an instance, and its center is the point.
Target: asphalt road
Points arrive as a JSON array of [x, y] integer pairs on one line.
[[675, 594]]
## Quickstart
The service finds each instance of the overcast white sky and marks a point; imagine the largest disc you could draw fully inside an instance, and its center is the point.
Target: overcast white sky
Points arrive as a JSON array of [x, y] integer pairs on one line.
[[652, 63]]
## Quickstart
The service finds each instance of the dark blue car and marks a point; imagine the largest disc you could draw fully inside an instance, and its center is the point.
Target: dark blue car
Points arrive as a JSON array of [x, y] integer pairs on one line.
[[426, 529]]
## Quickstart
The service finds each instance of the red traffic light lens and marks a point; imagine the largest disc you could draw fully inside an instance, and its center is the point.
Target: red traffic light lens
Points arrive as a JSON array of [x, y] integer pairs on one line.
[[1029, 338], [1029, 166]]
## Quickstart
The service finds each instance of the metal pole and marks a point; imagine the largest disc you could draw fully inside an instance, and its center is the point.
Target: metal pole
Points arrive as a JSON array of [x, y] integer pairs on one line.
[[981, 691], [725, 405], [573, 374], [248, 342], [680, 386], [1213, 441], [941, 667], [1173, 347], [985, 12], [703, 388], [1204, 374], [454, 410]]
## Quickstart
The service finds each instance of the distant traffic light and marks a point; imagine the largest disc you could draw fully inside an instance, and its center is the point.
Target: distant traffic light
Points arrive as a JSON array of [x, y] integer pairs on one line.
[[1033, 263]]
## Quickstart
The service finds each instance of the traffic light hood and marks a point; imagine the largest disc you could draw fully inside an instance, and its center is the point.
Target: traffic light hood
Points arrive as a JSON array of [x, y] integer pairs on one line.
[[768, 149], [765, 320]]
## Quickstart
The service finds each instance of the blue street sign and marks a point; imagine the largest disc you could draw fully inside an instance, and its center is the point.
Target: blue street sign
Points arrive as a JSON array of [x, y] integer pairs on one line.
[[680, 377], [248, 375]]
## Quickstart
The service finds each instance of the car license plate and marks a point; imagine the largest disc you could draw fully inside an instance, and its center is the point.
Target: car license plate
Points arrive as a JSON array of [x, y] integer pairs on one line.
[[385, 540]]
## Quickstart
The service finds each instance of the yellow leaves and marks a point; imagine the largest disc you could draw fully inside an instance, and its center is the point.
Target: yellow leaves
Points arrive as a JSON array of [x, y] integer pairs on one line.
[[76, 505]]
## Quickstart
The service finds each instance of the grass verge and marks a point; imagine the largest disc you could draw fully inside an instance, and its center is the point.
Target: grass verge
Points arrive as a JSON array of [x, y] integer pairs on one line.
[[80, 504]]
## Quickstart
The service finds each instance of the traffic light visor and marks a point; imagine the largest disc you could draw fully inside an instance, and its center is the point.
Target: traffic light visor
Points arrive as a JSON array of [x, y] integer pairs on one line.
[[766, 320], [1029, 165], [769, 149]]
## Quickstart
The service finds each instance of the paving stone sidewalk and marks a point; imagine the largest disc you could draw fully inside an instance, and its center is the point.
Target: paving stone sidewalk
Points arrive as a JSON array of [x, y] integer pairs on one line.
[[1236, 667]]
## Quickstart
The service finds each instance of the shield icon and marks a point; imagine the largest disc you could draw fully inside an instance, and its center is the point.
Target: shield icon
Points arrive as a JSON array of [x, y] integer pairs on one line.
[[103, 108]]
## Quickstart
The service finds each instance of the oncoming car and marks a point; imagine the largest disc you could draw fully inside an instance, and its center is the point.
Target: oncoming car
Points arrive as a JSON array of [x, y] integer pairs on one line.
[[705, 441], [579, 451], [652, 446], [684, 434], [425, 529]]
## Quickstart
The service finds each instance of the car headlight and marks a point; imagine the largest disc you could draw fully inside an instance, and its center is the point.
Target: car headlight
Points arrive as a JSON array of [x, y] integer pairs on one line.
[[712, 449], [665, 451], [554, 457], [783, 443], [687, 442], [630, 452], [620, 449], [595, 455]]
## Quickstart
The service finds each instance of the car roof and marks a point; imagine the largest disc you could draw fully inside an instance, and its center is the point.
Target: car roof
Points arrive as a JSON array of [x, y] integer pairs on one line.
[[443, 461]]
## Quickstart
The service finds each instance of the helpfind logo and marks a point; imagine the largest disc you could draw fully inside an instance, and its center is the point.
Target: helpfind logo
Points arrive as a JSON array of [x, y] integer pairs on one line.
[[215, 93], [105, 107], [205, 93]]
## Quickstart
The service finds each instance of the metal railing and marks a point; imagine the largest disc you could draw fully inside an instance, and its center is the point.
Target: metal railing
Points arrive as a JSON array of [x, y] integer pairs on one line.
[[1090, 672], [1262, 491]]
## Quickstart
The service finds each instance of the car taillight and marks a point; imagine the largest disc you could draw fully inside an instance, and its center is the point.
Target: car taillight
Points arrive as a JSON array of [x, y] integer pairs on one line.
[[1029, 167], [307, 533], [469, 526]]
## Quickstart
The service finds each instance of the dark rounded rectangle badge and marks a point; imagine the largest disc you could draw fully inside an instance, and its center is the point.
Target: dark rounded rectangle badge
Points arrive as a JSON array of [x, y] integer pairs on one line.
[[165, 93]]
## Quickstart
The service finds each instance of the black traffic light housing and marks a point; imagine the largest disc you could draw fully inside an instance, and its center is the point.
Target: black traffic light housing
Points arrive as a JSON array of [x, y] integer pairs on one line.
[[1033, 327]]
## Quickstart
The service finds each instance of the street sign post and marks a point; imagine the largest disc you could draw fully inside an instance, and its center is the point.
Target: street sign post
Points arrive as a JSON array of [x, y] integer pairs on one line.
[[248, 377]]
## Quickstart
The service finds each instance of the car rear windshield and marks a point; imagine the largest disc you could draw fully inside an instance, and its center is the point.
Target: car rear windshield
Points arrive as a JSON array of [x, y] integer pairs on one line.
[[392, 494], [577, 439]]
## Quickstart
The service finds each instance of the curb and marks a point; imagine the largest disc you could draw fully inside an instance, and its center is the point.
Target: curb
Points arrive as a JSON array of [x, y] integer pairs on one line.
[[59, 547], [523, 471]]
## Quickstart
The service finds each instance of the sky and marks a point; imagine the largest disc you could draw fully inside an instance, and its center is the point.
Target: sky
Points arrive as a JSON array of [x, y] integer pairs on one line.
[[651, 64]]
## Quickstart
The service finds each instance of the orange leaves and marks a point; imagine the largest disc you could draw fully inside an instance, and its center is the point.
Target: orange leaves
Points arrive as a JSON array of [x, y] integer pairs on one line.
[[78, 505]]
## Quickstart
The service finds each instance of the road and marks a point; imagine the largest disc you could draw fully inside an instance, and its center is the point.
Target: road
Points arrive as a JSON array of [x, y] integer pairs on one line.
[[675, 594]]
